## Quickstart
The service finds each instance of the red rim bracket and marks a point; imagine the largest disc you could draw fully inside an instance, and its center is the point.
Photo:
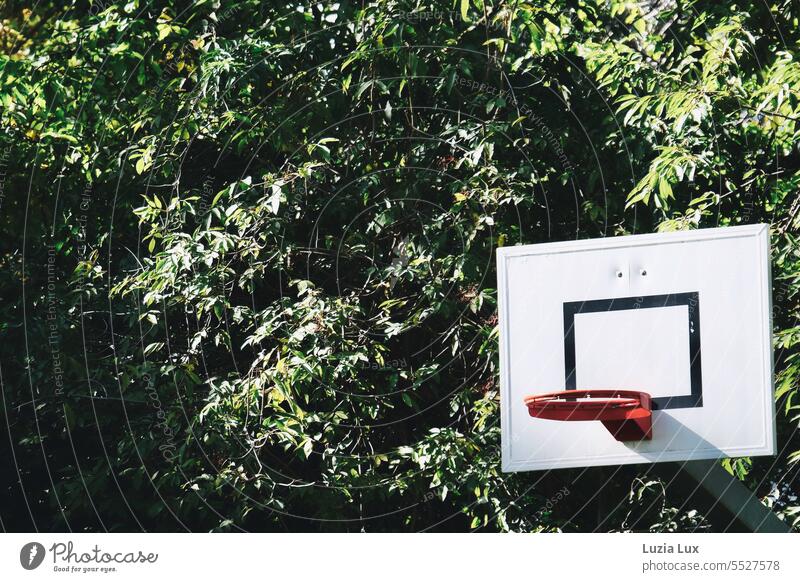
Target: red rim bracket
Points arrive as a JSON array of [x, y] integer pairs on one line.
[[627, 414]]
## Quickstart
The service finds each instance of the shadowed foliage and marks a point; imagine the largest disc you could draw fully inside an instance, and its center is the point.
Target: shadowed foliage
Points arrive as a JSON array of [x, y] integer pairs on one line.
[[247, 258]]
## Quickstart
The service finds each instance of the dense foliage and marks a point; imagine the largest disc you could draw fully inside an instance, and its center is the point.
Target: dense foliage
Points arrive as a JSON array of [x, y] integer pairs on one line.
[[247, 265]]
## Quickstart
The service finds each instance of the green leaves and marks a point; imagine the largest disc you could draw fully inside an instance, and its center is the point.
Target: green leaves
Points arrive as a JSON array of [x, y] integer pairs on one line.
[[464, 7], [672, 165], [664, 189], [321, 147], [165, 26], [300, 218]]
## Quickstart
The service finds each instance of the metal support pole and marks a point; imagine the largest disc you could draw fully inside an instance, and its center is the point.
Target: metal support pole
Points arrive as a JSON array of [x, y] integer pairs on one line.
[[735, 497]]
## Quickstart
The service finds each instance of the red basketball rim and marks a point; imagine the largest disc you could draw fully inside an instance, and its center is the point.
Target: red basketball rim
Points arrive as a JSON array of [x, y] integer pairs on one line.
[[589, 405]]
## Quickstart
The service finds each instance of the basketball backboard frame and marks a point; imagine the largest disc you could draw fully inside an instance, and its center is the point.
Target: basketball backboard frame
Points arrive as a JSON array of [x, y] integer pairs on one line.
[[628, 256]]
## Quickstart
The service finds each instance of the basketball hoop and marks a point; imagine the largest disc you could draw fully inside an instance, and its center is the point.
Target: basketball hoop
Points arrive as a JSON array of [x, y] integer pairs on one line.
[[625, 413]]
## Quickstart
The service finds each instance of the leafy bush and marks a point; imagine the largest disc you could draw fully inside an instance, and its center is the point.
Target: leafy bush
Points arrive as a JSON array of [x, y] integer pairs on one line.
[[248, 263]]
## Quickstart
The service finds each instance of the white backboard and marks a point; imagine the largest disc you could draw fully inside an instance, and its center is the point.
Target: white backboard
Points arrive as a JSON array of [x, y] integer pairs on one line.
[[684, 316]]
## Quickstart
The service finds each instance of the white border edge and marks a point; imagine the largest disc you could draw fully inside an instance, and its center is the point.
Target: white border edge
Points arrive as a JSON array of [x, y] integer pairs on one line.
[[770, 424]]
